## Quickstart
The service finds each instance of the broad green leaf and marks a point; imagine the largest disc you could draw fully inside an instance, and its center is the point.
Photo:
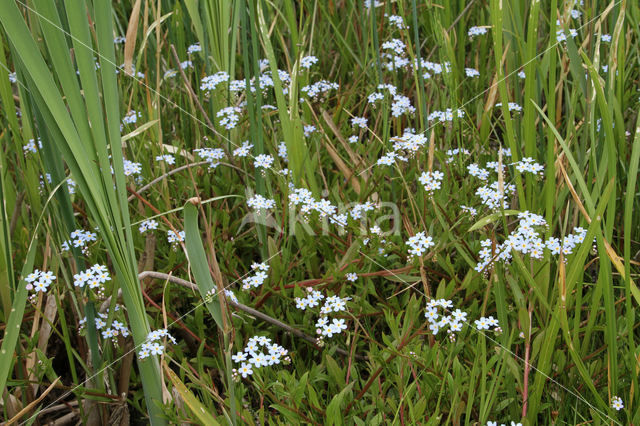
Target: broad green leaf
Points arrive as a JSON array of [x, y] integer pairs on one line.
[[199, 265]]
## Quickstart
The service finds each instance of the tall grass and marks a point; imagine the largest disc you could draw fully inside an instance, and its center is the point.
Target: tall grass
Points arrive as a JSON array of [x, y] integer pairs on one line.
[[88, 136], [567, 342]]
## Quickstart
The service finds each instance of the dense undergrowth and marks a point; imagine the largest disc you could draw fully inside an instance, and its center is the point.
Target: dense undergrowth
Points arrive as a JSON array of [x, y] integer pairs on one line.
[[334, 211]]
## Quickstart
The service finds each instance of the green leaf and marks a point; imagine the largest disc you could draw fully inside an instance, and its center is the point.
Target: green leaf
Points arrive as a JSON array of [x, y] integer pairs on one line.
[[199, 265], [334, 414], [490, 219], [196, 407]]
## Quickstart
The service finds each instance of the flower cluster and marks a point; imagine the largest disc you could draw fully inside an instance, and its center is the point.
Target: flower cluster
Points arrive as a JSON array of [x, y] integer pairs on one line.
[[210, 82], [529, 165], [504, 424], [472, 72], [253, 353], [404, 147], [401, 105], [152, 345], [148, 225], [243, 150], [259, 202], [331, 304], [446, 115], [258, 278], [526, 240], [174, 238], [438, 321], [169, 159], [477, 171], [561, 35], [118, 328], [427, 67], [308, 129], [263, 161], [131, 168], [409, 143], [211, 155], [282, 151], [100, 319], [419, 244], [485, 323], [39, 281], [229, 117], [511, 105], [31, 146], [319, 89], [431, 181], [94, 277], [304, 198], [474, 31], [79, 238], [194, 48], [308, 61], [451, 153], [396, 60], [131, 117], [569, 242], [616, 403], [495, 197], [359, 122], [396, 21], [469, 210], [359, 210]]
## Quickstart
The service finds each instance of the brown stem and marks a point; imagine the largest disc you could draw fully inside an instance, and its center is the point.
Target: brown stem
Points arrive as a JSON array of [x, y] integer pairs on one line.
[[244, 308]]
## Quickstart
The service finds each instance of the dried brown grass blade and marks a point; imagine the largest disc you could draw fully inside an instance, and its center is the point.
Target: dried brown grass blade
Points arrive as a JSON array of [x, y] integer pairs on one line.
[[33, 404], [130, 42]]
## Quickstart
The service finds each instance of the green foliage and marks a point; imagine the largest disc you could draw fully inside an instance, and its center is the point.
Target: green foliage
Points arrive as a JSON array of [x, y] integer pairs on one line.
[[567, 341]]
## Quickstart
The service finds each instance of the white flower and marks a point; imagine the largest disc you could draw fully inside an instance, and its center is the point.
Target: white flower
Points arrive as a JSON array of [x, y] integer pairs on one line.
[[359, 122], [194, 48], [474, 31], [239, 357], [131, 117], [263, 161], [169, 159], [259, 360], [419, 244], [472, 72], [245, 370], [156, 349], [259, 202], [147, 225], [172, 237], [616, 403], [244, 150], [482, 324], [339, 324], [308, 61]]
